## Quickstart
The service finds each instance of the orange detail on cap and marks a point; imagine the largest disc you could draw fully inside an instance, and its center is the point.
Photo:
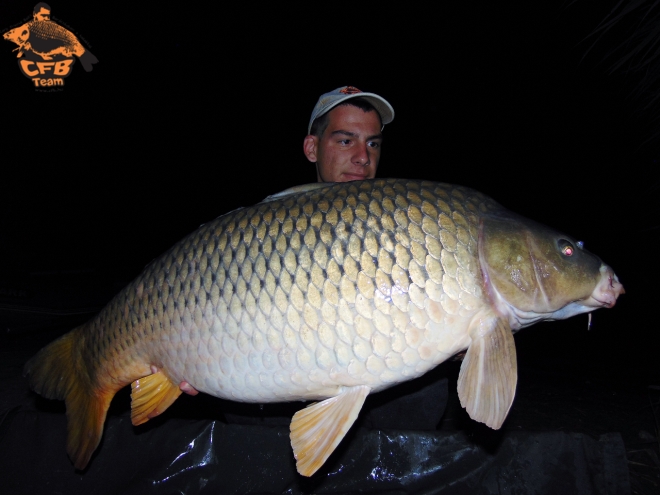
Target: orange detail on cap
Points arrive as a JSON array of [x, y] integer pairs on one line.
[[350, 90]]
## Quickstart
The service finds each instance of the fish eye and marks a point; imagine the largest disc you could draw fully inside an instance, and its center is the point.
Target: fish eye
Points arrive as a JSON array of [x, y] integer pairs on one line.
[[565, 247]]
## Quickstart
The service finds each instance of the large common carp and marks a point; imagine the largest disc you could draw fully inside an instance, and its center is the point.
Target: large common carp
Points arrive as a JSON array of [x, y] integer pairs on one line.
[[327, 292]]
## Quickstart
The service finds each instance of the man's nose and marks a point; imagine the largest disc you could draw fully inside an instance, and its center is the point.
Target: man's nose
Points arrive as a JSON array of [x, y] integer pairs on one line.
[[361, 156]]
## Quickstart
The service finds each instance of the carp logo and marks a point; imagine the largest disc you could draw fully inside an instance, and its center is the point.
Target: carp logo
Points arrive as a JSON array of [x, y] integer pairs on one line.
[[46, 50], [350, 90]]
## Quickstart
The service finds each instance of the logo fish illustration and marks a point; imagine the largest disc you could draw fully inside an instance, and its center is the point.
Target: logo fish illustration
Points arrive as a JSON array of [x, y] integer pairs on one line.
[[47, 49]]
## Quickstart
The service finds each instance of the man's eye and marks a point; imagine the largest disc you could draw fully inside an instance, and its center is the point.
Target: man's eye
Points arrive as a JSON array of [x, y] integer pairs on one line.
[[373, 144], [345, 141]]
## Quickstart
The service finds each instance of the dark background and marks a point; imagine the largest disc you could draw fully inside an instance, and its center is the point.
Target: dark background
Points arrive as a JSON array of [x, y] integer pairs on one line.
[[194, 111]]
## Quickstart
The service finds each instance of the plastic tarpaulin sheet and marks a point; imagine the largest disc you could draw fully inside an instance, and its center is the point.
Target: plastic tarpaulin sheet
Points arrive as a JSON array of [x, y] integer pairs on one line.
[[188, 456]]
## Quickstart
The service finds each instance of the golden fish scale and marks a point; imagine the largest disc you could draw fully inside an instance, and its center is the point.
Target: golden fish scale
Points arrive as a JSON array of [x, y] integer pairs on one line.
[[49, 30], [355, 283]]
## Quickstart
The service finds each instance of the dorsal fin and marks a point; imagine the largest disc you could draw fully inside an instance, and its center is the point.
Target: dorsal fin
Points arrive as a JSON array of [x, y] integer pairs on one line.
[[297, 189]]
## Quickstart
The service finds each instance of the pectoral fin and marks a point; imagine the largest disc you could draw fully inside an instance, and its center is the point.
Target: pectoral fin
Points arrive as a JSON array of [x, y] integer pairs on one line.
[[317, 430], [489, 373], [151, 395]]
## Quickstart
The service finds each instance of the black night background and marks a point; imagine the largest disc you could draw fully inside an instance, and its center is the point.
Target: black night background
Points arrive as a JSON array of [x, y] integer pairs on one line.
[[197, 109]]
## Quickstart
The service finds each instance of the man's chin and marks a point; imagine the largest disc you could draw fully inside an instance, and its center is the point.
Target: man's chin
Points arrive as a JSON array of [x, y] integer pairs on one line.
[[352, 177]]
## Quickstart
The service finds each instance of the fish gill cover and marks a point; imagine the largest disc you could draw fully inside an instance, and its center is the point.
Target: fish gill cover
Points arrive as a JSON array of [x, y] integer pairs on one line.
[[47, 51]]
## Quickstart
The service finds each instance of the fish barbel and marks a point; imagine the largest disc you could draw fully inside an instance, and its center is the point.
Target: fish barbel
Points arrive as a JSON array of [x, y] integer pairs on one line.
[[327, 292]]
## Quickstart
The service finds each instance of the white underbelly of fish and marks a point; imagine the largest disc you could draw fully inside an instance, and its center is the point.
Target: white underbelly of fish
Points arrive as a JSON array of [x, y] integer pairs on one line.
[[272, 365]]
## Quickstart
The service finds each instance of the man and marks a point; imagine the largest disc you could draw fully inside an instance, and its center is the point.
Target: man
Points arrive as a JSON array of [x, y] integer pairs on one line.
[[345, 134], [41, 12]]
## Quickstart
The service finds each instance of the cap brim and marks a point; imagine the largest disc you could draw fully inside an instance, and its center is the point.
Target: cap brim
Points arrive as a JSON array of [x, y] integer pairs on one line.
[[381, 105]]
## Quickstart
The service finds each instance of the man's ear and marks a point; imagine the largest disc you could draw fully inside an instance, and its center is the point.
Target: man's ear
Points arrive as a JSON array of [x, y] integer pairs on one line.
[[310, 145]]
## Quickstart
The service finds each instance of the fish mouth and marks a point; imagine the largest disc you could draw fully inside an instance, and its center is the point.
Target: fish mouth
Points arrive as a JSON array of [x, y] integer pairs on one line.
[[607, 290]]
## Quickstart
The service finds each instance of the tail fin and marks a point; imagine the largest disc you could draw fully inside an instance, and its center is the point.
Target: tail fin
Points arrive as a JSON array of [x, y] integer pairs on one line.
[[88, 60], [58, 372]]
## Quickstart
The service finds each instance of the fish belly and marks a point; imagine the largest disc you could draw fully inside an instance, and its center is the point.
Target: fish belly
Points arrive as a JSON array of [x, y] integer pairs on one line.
[[371, 283]]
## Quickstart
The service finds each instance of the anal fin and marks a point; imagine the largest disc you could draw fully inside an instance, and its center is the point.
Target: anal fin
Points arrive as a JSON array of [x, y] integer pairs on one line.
[[489, 373], [317, 430], [152, 395]]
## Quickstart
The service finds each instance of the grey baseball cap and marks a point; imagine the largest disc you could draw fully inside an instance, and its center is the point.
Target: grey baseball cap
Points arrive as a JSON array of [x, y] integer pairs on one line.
[[330, 100]]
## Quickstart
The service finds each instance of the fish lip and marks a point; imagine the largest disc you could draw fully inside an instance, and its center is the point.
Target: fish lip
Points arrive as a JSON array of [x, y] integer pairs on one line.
[[604, 304], [608, 289], [607, 302]]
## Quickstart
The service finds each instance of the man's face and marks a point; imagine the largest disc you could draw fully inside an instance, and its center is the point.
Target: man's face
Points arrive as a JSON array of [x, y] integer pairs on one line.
[[42, 15], [349, 148]]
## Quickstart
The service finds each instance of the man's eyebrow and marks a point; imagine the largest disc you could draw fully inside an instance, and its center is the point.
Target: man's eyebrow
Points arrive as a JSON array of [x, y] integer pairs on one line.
[[352, 134], [343, 133]]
